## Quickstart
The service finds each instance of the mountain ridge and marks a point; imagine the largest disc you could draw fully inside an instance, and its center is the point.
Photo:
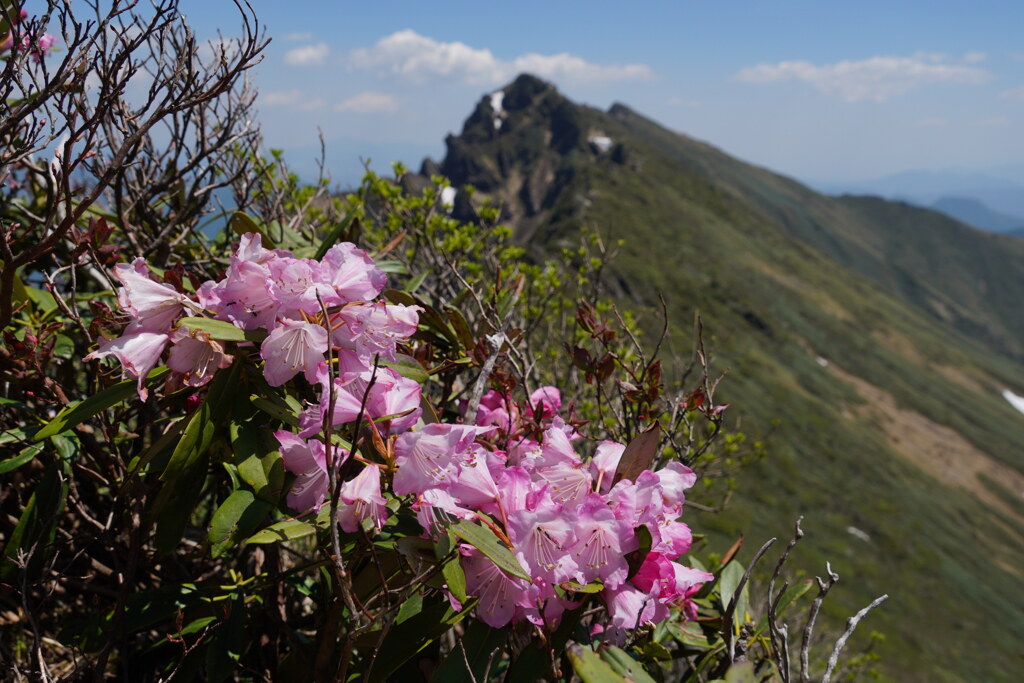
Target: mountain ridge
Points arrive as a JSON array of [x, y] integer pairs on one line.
[[915, 316]]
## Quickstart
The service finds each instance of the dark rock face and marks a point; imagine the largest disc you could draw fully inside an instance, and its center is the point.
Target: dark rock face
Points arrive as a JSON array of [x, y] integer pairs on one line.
[[522, 147]]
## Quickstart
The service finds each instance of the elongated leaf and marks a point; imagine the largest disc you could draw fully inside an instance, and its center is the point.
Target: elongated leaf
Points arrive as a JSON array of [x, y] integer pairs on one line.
[[222, 330], [236, 518], [186, 471], [241, 224], [408, 367], [259, 462], [455, 578], [75, 414], [625, 666], [741, 672], [405, 640], [689, 634], [36, 527], [26, 455], [392, 267], [286, 530], [590, 667], [639, 453], [484, 540], [275, 411], [731, 576], [199, 433], [331, 238]]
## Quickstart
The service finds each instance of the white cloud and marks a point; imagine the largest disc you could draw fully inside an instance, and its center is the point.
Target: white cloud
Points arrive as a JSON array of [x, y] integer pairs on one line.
[[413, 57], [975, 57], [369, 103], [307, 55], [279, 97], [877, 78], [294, 99]]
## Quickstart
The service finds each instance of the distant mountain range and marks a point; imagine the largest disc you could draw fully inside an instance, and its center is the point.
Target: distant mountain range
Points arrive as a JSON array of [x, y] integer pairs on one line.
[[952, 193], [973, 212], [883, 341]]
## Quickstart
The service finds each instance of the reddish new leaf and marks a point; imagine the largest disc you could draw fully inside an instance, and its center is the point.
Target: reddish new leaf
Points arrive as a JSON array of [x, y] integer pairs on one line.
[[639, 453]]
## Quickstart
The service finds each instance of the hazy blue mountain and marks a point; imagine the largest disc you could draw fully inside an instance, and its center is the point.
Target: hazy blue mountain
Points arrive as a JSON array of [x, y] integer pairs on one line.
[[1001, 193], [973, 212]]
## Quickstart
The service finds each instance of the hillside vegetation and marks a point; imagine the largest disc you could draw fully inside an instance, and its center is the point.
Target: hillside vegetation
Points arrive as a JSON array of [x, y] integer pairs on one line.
[[871, 340]]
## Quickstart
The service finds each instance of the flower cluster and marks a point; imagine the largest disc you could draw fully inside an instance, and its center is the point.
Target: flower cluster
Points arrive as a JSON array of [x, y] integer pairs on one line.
[[572, 523], [569, 522], [288, 298]]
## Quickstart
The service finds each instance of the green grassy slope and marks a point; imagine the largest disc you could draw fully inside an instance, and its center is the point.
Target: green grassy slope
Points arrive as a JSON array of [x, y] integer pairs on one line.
[[903, 435]]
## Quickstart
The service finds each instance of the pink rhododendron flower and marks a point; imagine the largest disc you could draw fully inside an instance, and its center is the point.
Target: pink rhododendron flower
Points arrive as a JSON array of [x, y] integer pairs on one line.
[[545, 402], [243, 298], [153, 306], [361, 499], [195, 356], [138, 352], [605, 462], [307, 460], [295, 285], [428, 458], [541, 539], [601, 545], [351, 273], [497, 591], [436, 507], [498, 410], [293, 347], [375, 329]]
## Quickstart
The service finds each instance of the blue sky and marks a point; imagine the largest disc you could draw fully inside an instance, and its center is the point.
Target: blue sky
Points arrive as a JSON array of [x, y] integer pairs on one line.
[[818, 90]]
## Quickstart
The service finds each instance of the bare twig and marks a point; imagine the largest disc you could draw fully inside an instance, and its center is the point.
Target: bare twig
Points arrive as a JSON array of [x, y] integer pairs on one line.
[[851, 626]]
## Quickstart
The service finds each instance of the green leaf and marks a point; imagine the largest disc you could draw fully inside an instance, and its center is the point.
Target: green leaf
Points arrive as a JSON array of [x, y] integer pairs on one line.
[[275, 411], [730, 578], [590, 667], [688, 634], [405, 640], [37, 526], [222, 330], [77, 413], [415, 283], [455, 578], [458, 322], [26, 455], [238, 516], [331, 238], [259, 462], [241, 224], [63, 347], [408, 367], [185, 474], [743, 672], [198, 435], [484, 540], [286, 530], [592, 587], [625, 666], [392, 267], [411, 606]]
